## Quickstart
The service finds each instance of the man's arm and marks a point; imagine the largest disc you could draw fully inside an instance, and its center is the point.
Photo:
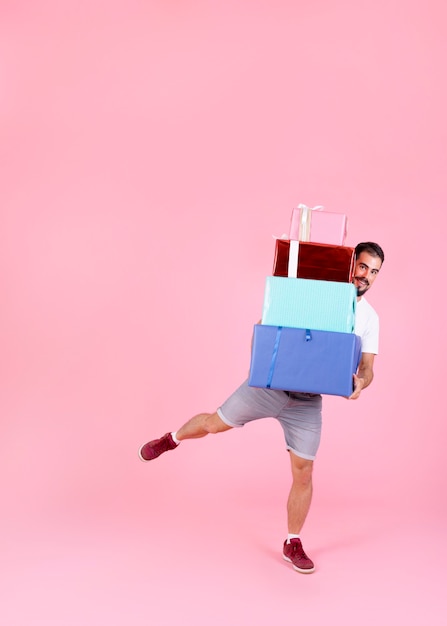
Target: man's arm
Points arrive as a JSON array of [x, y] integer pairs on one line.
[[364, 376]]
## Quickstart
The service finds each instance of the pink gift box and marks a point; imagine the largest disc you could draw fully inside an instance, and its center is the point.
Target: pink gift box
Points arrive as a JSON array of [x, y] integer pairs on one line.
[[318, 226]]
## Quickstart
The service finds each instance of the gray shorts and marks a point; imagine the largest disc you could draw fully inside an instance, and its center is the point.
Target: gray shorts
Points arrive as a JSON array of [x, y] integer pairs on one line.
[[298, 413]]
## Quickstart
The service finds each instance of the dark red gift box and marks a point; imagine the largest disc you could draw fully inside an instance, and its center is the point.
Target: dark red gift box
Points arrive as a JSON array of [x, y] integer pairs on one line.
[[319, 261]]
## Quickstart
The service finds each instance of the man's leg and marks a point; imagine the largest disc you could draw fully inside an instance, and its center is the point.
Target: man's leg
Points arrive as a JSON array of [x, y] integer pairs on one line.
[[300, 495], [201, 425], [298, 505], [198, 426], [244, 405]]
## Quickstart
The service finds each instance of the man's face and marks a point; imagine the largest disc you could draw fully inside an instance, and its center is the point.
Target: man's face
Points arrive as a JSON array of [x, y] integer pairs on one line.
[[366, 269]]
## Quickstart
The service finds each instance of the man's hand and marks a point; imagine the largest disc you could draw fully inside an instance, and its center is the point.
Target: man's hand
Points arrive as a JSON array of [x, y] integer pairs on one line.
[[364, 375], [359, 384]]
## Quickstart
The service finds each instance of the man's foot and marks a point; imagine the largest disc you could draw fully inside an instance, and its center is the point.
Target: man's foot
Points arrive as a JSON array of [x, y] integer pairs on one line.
[[153, 449], [294, 553]]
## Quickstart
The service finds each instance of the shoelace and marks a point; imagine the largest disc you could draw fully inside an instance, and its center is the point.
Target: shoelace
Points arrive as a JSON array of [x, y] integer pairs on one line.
[[298, 549]]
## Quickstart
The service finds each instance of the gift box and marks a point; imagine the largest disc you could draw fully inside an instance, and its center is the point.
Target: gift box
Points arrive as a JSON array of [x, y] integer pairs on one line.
[[317, 304], [318, 261], [317, 225], [296, 359]]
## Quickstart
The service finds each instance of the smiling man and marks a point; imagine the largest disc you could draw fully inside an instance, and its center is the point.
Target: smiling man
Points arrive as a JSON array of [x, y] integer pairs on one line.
[[298, 413], [369, 259]]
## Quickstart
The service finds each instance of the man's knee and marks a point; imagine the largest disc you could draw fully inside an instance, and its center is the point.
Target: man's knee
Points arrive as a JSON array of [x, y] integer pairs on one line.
[[301, 469], [214, 424]]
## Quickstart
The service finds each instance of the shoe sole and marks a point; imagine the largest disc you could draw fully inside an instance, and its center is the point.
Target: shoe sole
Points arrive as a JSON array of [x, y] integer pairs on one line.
[[298, 569]]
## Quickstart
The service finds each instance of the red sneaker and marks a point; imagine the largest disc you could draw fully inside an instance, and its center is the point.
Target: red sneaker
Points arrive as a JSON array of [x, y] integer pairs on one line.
[[153, 449], [293, 553]]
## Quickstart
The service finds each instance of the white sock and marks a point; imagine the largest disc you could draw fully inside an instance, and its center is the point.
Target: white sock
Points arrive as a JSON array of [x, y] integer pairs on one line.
[[173, 435], [292, 536]]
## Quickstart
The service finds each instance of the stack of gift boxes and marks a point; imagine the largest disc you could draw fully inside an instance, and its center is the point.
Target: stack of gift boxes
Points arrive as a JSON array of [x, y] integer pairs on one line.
[[305, 341]]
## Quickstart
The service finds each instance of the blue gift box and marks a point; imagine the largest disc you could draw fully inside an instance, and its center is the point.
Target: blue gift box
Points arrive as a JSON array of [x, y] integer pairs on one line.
[[306, 303], [297, 359]]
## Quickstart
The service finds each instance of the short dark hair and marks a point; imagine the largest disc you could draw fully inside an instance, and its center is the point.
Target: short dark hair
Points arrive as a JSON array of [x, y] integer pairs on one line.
[[371, 248]]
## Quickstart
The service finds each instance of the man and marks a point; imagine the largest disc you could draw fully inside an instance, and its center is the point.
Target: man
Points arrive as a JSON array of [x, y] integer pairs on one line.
[[298, 413]]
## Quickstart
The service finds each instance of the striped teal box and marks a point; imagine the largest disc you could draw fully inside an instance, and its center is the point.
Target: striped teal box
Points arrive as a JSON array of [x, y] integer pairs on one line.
[[305, 303]]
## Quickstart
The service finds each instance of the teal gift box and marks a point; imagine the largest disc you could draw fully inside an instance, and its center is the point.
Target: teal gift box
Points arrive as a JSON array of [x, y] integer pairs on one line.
[[305, 303]]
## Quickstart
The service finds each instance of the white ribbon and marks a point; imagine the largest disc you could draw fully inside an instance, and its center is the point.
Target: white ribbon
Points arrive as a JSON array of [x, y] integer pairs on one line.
[[292, 268], [303, 235]]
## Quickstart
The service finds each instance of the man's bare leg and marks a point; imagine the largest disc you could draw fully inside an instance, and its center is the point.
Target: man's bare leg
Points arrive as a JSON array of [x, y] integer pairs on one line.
[[300, 495], [198, 426], [298, 506], [201, 425]]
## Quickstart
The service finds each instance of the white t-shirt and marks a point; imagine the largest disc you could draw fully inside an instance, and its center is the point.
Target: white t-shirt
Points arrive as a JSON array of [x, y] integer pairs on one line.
[[367, 326]]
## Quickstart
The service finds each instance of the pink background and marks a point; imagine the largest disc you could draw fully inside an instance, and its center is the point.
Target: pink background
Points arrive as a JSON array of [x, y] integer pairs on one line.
[[149, 151]]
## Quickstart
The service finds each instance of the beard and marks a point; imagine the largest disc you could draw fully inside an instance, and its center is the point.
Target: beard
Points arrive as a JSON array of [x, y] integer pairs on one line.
[[362, 289]]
